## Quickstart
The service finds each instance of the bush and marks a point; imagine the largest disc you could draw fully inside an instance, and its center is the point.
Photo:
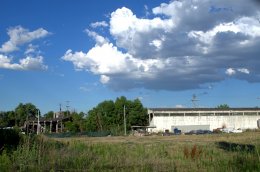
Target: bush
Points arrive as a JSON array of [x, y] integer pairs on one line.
[[9, 139]]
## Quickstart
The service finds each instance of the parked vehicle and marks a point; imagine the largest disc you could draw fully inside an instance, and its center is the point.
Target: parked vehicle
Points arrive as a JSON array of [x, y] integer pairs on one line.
[[198, 132], [231, 130]]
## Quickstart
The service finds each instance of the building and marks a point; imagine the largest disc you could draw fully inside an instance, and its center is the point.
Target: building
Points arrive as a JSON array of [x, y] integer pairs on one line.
[[43, 125], [187, 119]]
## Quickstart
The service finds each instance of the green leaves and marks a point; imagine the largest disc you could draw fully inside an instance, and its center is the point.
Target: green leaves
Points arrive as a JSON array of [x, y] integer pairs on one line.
[[109, 115]]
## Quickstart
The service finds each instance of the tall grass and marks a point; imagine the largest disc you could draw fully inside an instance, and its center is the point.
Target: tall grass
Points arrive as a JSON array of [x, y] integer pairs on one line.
[[41, 154]]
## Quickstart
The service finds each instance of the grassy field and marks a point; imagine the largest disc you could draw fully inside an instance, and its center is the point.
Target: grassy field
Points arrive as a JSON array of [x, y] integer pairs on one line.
[[216, 152]]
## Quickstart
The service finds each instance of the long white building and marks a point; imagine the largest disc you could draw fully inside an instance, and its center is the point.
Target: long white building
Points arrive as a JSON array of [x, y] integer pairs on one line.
[[187, 119]]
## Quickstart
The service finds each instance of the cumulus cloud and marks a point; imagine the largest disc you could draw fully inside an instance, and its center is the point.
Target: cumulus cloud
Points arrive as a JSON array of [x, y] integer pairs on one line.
[[27, 63], [182, 45], [19, 36]]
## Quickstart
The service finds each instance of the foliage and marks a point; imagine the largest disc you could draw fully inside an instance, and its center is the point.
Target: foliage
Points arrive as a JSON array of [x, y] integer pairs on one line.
[[49, 115], [7, 119], [9, 139], [17, 117], [223, 106], [77, 124], [24, 111], [109, 115]]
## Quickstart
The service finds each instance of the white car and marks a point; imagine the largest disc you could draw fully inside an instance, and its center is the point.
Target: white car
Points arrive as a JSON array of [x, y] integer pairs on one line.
[[236, 131], [231, 130]]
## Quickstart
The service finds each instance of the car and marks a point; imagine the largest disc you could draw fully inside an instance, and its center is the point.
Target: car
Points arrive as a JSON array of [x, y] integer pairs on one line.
[[236, 131]]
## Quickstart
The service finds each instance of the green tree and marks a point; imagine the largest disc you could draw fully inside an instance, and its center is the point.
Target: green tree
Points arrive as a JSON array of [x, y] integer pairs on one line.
[[49, 115], [109, 115], [24, 111], [137, 114], [3, 119], [77, 124], [7, 119], [223, 106]]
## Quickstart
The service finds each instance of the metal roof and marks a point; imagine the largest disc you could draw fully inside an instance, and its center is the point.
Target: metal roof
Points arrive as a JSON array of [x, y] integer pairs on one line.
[[204, 109]]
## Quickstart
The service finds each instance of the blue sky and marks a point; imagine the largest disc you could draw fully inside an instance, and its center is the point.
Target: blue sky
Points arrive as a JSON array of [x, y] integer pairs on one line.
[[159, 51]]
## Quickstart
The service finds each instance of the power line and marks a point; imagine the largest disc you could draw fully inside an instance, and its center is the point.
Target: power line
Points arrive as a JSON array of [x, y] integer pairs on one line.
[[194, 100]]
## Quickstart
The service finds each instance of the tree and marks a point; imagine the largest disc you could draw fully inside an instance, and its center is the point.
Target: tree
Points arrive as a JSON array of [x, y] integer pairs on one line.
[[7, 119], [109, 115], [77, 124], [49, 115], [223, 106], [24, 111]]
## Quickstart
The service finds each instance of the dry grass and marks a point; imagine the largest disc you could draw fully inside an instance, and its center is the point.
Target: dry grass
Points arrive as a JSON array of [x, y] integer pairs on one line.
[[243, 138], [149, 153]]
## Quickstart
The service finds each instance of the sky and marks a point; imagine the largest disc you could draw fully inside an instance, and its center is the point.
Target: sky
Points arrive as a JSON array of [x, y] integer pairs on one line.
[[80, 53]]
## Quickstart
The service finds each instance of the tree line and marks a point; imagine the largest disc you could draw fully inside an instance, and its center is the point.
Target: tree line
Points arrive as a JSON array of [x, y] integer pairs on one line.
[[106, 116]]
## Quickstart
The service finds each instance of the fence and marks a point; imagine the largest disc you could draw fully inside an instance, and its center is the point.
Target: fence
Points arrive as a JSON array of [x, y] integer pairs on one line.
[[77, 134]]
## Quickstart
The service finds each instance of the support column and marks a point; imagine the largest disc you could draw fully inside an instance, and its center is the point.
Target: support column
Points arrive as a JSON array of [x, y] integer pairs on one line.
[[50, 126], [57, 127], [61, 126], [33, 127], [44, 126]]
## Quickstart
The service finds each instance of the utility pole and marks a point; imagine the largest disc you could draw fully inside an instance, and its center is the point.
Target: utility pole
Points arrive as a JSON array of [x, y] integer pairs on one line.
[[61, 127], [124, 121], [67, 106], [38, 124]]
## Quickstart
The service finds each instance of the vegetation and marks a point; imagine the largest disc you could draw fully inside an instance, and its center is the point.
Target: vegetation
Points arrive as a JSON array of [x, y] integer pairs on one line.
[[106, 116], [223, 106], [151, 153], [10, 139], [17, 117], [109, 115], [215, 152]]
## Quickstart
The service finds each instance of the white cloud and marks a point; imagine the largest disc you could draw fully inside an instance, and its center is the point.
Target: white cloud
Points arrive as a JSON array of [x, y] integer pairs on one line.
[[182, 45], [31, 49], [99, 39], [146, 10], [104, 79], [107, 59], [123, 20], [28, 63], [99, 24], [243, 70], [230, 71], [87, 87], [19, 36], [244, 25], [131, 32], [179, 106]]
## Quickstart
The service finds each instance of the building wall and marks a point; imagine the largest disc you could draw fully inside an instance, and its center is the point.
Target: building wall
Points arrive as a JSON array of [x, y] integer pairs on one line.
[[163, 123]]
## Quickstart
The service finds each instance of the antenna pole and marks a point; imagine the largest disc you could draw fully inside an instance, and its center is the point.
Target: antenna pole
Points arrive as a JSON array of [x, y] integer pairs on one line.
[[124, 121]]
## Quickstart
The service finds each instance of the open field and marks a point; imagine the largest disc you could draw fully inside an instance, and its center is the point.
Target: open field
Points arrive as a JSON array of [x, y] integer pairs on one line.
[[217, 152], [243, 138]]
